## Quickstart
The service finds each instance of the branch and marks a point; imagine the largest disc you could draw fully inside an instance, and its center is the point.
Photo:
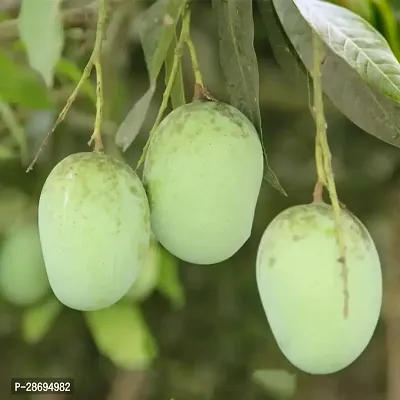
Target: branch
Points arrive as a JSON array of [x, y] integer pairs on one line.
[[72, 18]]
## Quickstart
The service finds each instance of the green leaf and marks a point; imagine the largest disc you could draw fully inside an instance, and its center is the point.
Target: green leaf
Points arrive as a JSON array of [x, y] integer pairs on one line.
[[169, 283], [354, 40], [41, 30], [177, 91], [277, 383], [283, 50], [121, 334], [68, 70], [156, 29], [239, 63], [39, 319], [131, 125], [21, 85], [365, 106]]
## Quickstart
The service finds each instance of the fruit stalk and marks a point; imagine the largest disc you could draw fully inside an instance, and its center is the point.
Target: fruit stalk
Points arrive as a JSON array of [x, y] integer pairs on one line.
[[95, 57], [96, 61], [199, 85], [175, 64], [324, 165]]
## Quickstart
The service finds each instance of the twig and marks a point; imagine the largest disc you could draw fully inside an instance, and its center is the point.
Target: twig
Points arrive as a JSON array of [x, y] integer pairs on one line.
[[96, 57], [93, 61], [324, 165]]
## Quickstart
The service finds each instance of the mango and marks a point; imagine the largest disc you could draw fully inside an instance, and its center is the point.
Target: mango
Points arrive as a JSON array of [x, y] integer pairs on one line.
[[23, 278], [321, 318], [203, 172], [94, 223]]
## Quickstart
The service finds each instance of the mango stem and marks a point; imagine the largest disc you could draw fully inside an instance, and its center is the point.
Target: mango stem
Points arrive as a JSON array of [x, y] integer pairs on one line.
[[324, 163]]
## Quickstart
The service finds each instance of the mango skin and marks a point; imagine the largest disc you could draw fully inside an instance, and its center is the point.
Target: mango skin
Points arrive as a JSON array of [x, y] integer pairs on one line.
[[94, 223], [23, 278], [203, 173], [301, 288]]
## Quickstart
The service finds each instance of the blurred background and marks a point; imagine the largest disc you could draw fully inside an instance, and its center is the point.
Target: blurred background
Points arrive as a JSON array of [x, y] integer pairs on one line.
[[210, 342]]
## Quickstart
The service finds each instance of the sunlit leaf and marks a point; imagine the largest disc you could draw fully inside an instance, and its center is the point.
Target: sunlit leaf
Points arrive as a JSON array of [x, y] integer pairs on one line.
[[21, 85], [38, 320], [178, 91], [278, 383], [156, 28], [41, 30], [121, 334], [356, 42], [239, 63], [365, 106], [66, 69], [169, 283]]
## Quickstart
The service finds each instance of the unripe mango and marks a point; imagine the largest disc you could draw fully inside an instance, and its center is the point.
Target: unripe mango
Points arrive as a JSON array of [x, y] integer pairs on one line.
[[23, 278], [203, 173], [321, 319], [94, 227]]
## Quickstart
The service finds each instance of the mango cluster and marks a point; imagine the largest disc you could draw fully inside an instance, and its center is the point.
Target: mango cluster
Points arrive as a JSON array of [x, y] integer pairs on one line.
[[99, 224]]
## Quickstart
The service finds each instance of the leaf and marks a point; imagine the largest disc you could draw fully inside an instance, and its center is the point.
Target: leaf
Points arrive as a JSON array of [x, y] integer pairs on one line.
[[130, 126], [177, 91], [39, 319], [21, 85], [156, 29], [41, 30], [169, 283], [371, 110], [277, 383], [356, 42], [239, 63], [121, 334], [68, 70], [282, 48]]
